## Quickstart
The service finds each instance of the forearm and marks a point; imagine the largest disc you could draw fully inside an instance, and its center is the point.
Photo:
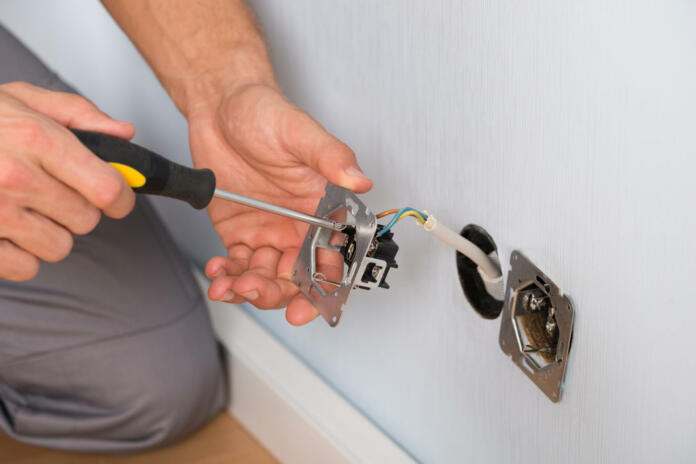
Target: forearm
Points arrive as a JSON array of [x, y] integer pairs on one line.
[[199, 50]]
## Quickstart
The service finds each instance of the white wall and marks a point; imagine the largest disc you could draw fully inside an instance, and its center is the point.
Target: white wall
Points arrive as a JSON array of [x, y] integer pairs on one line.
[[566, 129]]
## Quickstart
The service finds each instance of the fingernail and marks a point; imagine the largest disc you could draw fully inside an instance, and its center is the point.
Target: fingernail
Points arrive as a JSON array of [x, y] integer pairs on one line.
[[229, 295], [219, 273], [355, 172], [251, 296]]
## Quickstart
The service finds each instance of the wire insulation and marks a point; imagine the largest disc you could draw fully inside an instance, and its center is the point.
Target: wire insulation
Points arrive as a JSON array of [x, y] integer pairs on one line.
[[403, 212], [488, 268], [387, 213], [414, 214], [464, 246]]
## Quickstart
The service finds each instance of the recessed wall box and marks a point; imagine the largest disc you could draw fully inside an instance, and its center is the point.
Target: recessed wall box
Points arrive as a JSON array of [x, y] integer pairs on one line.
[[537, 325]]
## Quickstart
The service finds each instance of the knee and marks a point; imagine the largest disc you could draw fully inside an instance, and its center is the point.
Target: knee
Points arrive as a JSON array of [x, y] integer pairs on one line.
[[173, 397], [114, 400], [169, 382], [125, 393]]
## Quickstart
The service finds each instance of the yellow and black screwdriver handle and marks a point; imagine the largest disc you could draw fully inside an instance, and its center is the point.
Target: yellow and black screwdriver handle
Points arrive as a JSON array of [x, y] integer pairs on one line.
[[149, 173]]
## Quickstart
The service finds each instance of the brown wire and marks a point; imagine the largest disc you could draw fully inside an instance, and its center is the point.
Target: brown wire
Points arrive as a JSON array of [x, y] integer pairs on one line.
[[387, 213]]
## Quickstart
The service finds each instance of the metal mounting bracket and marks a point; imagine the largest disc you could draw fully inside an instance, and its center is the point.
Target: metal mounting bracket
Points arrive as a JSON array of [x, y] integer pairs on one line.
[[361, 223], [537, 326]]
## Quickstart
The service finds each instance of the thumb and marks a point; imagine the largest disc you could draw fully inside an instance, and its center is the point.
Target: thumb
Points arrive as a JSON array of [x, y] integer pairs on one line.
[[69, 110], [309, 141]]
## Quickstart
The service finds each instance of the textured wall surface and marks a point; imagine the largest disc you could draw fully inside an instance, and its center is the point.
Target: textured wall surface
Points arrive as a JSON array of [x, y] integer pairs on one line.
[[566, 129]]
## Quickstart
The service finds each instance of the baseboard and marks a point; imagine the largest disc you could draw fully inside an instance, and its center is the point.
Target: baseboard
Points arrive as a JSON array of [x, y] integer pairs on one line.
[[295, 415]]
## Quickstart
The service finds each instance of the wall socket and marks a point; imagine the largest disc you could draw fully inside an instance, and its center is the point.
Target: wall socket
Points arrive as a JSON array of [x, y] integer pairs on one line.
[[536, 329]]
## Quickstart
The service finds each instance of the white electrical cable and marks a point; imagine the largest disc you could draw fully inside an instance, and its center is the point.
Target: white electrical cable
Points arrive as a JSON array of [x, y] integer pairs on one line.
[[486, 264], [494, 285]]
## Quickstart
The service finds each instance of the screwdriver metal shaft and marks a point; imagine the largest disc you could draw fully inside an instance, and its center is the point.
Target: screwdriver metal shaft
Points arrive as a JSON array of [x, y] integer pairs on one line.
[[279, 210]]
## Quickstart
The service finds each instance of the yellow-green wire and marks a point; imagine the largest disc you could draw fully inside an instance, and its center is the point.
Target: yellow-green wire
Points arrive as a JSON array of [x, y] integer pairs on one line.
[[420, 216], [414, 214]]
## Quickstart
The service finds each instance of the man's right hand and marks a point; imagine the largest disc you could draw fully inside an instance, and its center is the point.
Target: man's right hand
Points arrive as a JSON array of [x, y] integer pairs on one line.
[[51, 186]]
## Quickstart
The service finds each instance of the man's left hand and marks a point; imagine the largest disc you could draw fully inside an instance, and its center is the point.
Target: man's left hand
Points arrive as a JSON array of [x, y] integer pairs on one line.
[[261, 146]]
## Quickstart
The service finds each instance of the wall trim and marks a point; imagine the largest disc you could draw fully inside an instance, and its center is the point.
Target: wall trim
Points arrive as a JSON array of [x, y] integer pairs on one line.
[[293, 413]]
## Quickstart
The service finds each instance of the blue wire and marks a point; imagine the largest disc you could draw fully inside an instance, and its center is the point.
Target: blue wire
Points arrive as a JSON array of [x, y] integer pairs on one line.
[[396, 218]]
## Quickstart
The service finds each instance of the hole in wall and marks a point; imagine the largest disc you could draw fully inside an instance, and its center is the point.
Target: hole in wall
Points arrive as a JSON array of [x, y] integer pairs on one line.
[[469, 278]]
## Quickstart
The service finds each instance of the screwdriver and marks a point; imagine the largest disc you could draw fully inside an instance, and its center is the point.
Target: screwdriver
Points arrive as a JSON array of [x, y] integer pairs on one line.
[[147, 172]]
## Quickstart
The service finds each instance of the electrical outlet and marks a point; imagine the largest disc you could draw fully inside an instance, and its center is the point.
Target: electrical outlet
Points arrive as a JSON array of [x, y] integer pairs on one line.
[[536, 329]]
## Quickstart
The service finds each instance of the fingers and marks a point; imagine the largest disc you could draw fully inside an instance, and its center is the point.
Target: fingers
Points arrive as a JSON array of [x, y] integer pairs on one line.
[[259, 284], [307, 139], [68, 109], [258, 277], [287, 262], [51, 184], [262, 292], [33, 127], [236, 263], [60, 154], [216, 267], [300, 311], [16, 264], [34, 233], [53, 199], [221, 290], [250, 276]]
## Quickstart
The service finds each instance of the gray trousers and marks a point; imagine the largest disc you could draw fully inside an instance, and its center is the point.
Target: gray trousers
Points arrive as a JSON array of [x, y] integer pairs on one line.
[[110, 350]]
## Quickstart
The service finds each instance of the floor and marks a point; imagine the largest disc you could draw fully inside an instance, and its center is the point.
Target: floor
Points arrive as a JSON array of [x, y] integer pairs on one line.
[[224, 440]]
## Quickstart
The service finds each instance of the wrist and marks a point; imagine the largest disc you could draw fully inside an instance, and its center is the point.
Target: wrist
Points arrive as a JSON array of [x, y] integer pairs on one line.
[[203, 87]]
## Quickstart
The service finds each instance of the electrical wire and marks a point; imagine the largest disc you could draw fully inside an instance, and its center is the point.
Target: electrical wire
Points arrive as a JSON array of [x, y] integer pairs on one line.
[[488, 268], [465, 247], [418, 216], [387, 213], [400, 214]]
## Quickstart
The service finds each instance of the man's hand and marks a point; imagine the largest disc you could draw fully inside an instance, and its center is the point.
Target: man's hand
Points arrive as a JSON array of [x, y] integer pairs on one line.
[[210, 57], [50, 184], [261, 146]]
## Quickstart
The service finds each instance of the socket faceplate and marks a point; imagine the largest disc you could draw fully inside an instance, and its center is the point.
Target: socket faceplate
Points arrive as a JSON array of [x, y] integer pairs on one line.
[[537, 326]]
